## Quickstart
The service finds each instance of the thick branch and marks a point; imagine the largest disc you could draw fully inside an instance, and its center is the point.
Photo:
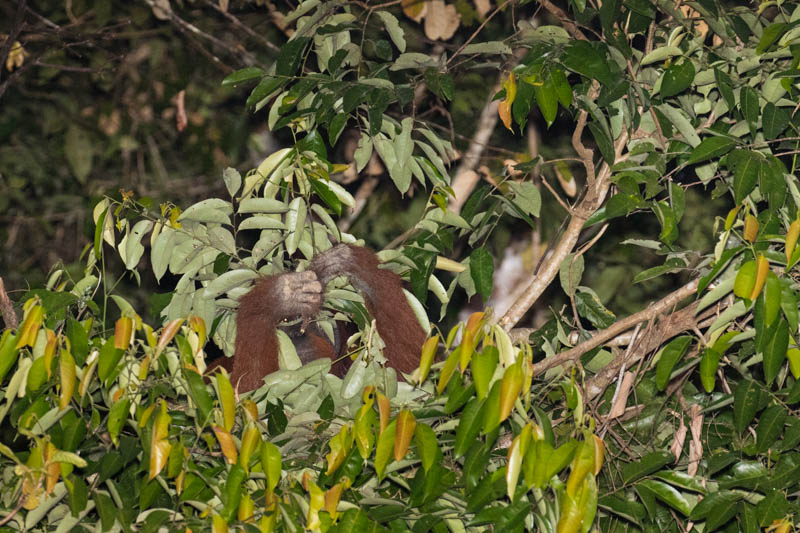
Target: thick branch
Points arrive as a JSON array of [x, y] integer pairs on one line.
[[595, 195], [7, 308], [664, 305]]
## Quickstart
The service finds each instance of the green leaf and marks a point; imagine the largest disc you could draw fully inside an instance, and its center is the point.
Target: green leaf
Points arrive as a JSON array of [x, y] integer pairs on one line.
[[774, 120], [527, 197], [773, 507], [716, 508], [562, 87], [98, 234], [233, 491], [775, 350], [107, 359], [336, 127], [745, 164], [9, 353], [652, 462], [547, 100], [667, 494], [385, 449], [772, 298], [469, 426], [745, 404], [604, 143], [570, 273], [724, 84], [717, 267], [427, 445], [673, 264], [199, 392], [78, 494], [750, 106], [117, 417], [669, 225], [242, 75], [481, 268], [106, 509], [521, 107], [708, 368], [290, 56], [677, 78], [265, 87], [670, 355], [483, 365], [627, 509], [770, 425], [394, 30], [585, 59], [591, 308], [770, 35], [711, 148]]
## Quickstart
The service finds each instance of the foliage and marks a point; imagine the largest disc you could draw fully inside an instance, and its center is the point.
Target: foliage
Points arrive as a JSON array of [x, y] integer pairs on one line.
[[695, 413]]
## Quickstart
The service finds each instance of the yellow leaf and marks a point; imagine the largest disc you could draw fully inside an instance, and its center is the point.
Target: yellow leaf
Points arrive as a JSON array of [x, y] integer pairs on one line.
[[227, 400], [332, 497], [516, 452], [316, 501], [250, 408], [510, 86], [167, 334], [510, 388], [504, 111], [572, 511], [470, 340], [731, 218], [384, 410], [599, 452], [246, 508], [159, 453], [227, 443], [791, 239], [582, 464], [49, 350], [271, 464], [16, 56], [67, 368], [340, 446], [762, 268], [52, 468], [406, 424], [793, 355], [251, 438], [448, 369], [363, 430], [368, 395], [30, 327], [218, 524], [198, 325], [414, 9], [750, 228], [123, 331], [426, 359]]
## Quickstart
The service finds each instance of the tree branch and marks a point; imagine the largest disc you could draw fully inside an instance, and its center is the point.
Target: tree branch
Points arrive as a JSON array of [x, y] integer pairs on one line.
[[7, 308], [595, 195], [662, 306]]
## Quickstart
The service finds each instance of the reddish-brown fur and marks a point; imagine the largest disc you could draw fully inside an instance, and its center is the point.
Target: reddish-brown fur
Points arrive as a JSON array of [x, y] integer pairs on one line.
[[291, 295]]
